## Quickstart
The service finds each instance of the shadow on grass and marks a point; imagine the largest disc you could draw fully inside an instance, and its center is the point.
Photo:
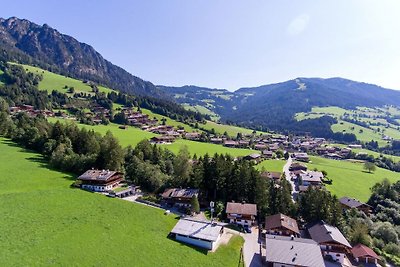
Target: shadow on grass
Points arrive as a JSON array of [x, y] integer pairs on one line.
[[198, 249], [37, 158]]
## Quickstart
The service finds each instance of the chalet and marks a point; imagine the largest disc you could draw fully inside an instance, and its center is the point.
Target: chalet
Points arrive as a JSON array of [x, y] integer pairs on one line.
[[301, 157], [355, 146], [267, 154], [311, 178], [276, 176], [216, 140], [331, 241], [179, 197], [253, 157], [363, 254], [291, 251], [241, 213], [334, 156], [273, 147], [202, 234], [192, 136], [164, 139], [295, 166], [231, 143], [243, 143], [349, 203], [260, 146], [280, 224], [100, 180]]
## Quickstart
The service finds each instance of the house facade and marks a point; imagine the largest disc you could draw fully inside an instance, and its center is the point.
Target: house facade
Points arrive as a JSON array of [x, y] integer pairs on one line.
[[100, 180], [241, 213]]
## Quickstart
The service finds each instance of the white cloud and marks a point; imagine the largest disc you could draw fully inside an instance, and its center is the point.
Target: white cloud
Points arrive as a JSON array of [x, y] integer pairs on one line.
[[298, 24]]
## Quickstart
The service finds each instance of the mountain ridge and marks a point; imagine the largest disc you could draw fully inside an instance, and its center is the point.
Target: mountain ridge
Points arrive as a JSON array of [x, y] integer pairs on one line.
[[28, 42]]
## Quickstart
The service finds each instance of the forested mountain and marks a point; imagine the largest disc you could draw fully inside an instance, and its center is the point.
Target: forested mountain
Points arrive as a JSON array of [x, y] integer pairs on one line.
[[274, 106], [26, 42]]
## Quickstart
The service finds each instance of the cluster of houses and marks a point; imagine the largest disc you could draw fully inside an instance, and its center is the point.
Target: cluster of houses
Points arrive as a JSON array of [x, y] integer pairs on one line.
[[30, 111]]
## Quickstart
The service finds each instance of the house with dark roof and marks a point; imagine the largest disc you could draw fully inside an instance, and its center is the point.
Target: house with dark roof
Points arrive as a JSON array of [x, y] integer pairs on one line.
[[202, 234], [179, 196], [255, 157], [301, 157], [363, 254], [280, 224], [296, 166], [350, 203], [276, 176], [100, 180], [292, 251], [331, 241], [241, 213]]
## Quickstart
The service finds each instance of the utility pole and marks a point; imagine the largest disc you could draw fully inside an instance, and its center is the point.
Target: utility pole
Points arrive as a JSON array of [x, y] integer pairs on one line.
[[212, 209]]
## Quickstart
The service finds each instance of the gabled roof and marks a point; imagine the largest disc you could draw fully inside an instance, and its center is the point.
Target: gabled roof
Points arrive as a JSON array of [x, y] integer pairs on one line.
[[197, 229], [97, 175], [180, 193], [312, 176], [324, 233], [281, 220], [351, 202], [360, 250], [241, 208], [293, 251]]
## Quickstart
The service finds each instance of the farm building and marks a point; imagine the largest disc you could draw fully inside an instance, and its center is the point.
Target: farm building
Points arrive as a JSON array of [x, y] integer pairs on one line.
[[202, 234], [100, 180]]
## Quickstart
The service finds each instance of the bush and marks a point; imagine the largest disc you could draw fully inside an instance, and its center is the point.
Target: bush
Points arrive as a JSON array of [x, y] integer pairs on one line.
[[393, 249]]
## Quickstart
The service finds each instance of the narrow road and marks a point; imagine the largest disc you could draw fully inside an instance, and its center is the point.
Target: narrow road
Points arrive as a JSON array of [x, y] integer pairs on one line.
[[251, 249], [288, 177]]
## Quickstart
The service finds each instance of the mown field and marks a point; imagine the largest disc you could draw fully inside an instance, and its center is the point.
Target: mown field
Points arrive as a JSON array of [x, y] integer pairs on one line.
[[273, 165], [371, 116], [202, 110], [350, 179], [52, 81], [230, 129], [132, 136], [46, 223]]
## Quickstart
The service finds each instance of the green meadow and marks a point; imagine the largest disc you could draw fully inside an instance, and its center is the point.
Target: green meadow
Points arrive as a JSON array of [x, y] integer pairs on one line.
[[44, 222], [349, 178], [52, 81], [132, 136], [168, 121], [274, 165], [230, 129]]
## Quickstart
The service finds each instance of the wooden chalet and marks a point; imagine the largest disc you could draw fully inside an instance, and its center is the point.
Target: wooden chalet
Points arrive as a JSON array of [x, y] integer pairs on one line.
[[280, 224], [180, 197], [350, 203], [331, 241], [241, 213], [100, 180], [363, 254]]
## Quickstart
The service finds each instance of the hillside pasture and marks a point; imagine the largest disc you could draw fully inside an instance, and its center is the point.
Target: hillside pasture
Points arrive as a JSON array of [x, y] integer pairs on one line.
[[349, 178], [273, 165], [46, 223]]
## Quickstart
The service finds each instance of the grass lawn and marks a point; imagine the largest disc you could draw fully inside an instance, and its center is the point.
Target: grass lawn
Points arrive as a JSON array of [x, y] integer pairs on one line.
[[168, 121], [46, 223], [132, 136], [52, 81], [221, 128], [273, 165], [350, 179], [202, 110]]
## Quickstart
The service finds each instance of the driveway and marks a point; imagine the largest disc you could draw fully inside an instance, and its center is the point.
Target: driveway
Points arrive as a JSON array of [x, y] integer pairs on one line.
[[251, 249], [288, 177]]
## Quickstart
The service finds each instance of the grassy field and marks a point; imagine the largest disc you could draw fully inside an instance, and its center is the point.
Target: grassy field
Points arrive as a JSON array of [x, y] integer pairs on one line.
[[373, 132], [168, 121], [202, 110], [350, 179], [273, 165], [230, 129], [46, 223], [132, 136], [52, 81]]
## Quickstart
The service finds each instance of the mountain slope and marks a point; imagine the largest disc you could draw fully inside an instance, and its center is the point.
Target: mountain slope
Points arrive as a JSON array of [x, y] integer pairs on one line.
[[27, 42], [274, 106]]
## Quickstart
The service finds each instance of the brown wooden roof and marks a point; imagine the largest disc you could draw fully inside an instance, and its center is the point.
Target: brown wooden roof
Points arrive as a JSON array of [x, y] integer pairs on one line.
[[280, 220], [241, 208]]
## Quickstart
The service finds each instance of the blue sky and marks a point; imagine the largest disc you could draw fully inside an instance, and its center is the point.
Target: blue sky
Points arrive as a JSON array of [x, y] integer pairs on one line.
[[233, 44]]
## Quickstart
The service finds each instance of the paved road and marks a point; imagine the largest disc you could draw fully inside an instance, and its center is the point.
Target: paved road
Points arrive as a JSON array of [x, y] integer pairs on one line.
[[287, 175], [251, 249]]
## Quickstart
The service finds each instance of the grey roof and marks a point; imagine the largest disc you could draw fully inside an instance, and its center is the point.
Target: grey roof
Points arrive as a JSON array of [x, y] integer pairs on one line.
[[99, 175], [197, 229], [351, 202], [180, 193], [293, 251], [323, 233], [312, 176]]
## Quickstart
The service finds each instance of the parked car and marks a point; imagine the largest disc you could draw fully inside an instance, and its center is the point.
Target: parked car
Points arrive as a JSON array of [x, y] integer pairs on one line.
[[247, 229]]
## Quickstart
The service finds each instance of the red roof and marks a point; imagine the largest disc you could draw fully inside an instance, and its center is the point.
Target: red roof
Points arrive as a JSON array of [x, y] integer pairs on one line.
[[360, 250]]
